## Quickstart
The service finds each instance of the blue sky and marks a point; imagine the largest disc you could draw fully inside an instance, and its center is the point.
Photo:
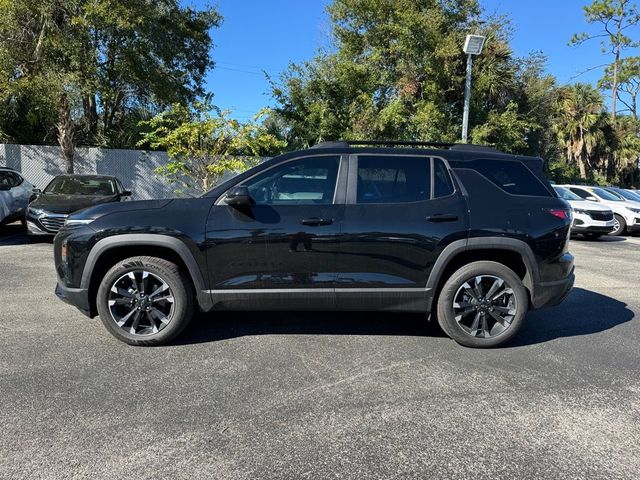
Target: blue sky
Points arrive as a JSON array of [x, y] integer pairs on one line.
[[266, 35]]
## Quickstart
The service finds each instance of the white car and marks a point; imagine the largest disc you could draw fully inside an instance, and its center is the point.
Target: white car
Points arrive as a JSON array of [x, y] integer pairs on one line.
[[15, 193], [626, 213], [589, 219]]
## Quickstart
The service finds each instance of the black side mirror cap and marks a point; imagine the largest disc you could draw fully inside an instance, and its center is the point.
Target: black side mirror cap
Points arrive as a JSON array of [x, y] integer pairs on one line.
[[126, 193], [239, 197], [4, 188]]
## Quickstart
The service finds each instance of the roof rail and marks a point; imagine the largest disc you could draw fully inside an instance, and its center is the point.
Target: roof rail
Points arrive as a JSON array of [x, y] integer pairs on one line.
[[396, 143]]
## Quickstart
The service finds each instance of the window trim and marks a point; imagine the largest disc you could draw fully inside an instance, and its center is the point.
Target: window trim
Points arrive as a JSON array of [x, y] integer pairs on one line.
[[352, 184], [336, 193]]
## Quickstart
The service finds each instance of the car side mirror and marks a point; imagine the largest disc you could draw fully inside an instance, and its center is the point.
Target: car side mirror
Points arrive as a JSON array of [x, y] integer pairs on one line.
[[4, 188], [591, 198], [126, 193], [36, 191], [239, 197]]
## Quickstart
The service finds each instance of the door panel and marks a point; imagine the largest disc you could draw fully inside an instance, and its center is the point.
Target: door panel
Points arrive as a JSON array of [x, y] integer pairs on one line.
[[391, 244], [283, 249]]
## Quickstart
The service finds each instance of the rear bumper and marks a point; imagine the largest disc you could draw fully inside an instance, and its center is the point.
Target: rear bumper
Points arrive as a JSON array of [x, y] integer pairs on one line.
[[78, 297], [549, 294]]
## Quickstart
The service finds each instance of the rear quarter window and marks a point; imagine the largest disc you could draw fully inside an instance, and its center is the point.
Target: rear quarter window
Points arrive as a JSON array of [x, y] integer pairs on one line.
[[511, 176]]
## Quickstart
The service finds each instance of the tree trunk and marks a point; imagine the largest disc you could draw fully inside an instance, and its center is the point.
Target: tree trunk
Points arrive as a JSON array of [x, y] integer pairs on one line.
[[65, 132], [91, 114]]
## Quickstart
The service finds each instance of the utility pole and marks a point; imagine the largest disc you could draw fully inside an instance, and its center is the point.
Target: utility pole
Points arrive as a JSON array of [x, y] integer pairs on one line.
[[472, 46]]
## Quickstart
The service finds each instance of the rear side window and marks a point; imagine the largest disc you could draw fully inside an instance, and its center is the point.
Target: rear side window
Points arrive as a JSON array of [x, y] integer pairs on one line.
[[511, 176], [389, 179], [442, 185]]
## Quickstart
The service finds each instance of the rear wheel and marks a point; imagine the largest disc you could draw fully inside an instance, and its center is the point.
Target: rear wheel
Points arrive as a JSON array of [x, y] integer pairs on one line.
[[483, 304], [145, 301], [620, 226]]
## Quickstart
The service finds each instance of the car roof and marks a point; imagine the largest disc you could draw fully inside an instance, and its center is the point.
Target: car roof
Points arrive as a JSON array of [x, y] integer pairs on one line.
[[457, 151], [78, 175]]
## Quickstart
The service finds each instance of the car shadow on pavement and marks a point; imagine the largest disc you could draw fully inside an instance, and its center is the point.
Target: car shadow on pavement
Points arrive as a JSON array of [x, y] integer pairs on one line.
[[225, 325], [584, 312], [13, 234]]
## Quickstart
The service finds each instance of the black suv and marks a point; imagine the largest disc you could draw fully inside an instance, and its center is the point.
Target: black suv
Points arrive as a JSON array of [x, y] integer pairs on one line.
[[466, 234]]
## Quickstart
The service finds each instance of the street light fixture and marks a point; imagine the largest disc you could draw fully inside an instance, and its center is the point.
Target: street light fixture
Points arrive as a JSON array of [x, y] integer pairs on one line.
[[472, 46]]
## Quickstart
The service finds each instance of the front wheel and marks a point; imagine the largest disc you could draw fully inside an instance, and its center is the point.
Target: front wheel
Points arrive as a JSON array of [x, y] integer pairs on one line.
[[620, 226], [145, 301], [483, 304]]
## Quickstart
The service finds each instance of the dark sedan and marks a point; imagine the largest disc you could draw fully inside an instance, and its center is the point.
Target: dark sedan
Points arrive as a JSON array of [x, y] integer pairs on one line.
[[66, 194]]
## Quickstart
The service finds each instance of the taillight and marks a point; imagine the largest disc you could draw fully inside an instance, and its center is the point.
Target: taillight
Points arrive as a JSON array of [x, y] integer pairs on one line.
[[561, 213]]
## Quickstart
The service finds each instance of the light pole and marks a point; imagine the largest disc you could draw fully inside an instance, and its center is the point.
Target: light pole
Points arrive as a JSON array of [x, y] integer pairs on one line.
[[472, 46]]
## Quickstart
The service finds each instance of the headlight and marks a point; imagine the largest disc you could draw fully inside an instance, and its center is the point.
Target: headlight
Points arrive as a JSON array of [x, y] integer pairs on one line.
[[36, 212], [577, 210], [634, 210], [78, 221]]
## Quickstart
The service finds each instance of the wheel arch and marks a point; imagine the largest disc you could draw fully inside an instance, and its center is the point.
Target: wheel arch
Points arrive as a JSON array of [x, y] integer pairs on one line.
[[511, 252], [109, 251]]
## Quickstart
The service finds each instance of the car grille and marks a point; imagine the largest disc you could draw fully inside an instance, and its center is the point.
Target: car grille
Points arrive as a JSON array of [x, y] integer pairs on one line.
[[53, 224], [602, 216]]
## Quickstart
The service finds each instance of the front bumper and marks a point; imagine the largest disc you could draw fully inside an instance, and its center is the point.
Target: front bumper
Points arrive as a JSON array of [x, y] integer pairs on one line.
[[45, 223], [78, 297]]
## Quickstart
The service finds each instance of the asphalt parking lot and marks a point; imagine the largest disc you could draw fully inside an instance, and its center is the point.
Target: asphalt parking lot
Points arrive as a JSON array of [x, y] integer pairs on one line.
[[297, 395]]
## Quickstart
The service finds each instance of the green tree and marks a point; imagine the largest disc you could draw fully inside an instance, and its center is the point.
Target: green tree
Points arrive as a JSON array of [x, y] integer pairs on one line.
[[111, 59], [204, 143], [579, 124], [628, 77], [396, 71], [614, 18]]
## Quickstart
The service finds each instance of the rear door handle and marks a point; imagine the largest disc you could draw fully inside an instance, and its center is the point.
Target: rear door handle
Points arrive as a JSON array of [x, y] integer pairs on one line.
[[442, 217], [315, 221]]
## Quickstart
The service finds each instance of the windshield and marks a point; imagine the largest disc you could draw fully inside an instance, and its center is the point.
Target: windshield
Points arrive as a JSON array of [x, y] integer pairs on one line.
[[81, 186], [603, 194], [565, 194], [625, 194], [634, 194]]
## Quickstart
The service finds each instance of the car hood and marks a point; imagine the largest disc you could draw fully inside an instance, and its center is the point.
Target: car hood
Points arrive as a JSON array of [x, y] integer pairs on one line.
[[66, 204], [101, 210], [586, 205]]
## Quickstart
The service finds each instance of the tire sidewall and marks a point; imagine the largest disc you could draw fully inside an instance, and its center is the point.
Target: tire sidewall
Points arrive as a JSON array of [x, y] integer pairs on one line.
[[182, 305], [623, 226], [446, 316]]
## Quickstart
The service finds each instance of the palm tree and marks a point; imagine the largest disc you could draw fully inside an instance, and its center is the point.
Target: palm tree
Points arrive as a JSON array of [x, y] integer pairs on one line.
[[578, 123]]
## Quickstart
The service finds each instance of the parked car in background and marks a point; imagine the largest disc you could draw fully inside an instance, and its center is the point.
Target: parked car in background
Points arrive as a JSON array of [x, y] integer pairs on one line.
[[626, 214], [635, 193], [472, 237], [590, 219], [624, 193], [15, 193], [69, 193]]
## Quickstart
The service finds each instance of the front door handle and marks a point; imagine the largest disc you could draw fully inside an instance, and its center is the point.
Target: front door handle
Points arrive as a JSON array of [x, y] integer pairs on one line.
[[442, 217], [315, 221]]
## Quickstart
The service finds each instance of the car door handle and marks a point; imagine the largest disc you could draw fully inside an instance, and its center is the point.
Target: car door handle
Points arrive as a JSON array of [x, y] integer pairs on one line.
[[442, 217], [315, 221]]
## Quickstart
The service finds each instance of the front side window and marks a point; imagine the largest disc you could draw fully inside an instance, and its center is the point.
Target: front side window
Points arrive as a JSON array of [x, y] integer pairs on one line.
[[581, 193], [306, 181], [607, 195], [388, 179], [5, 180], [565, 194], [511, 176]]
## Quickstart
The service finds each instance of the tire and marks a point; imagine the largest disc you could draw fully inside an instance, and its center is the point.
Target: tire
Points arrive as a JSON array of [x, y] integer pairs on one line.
[[592, 236], [152, 303], [621, 226], [471, 315]]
